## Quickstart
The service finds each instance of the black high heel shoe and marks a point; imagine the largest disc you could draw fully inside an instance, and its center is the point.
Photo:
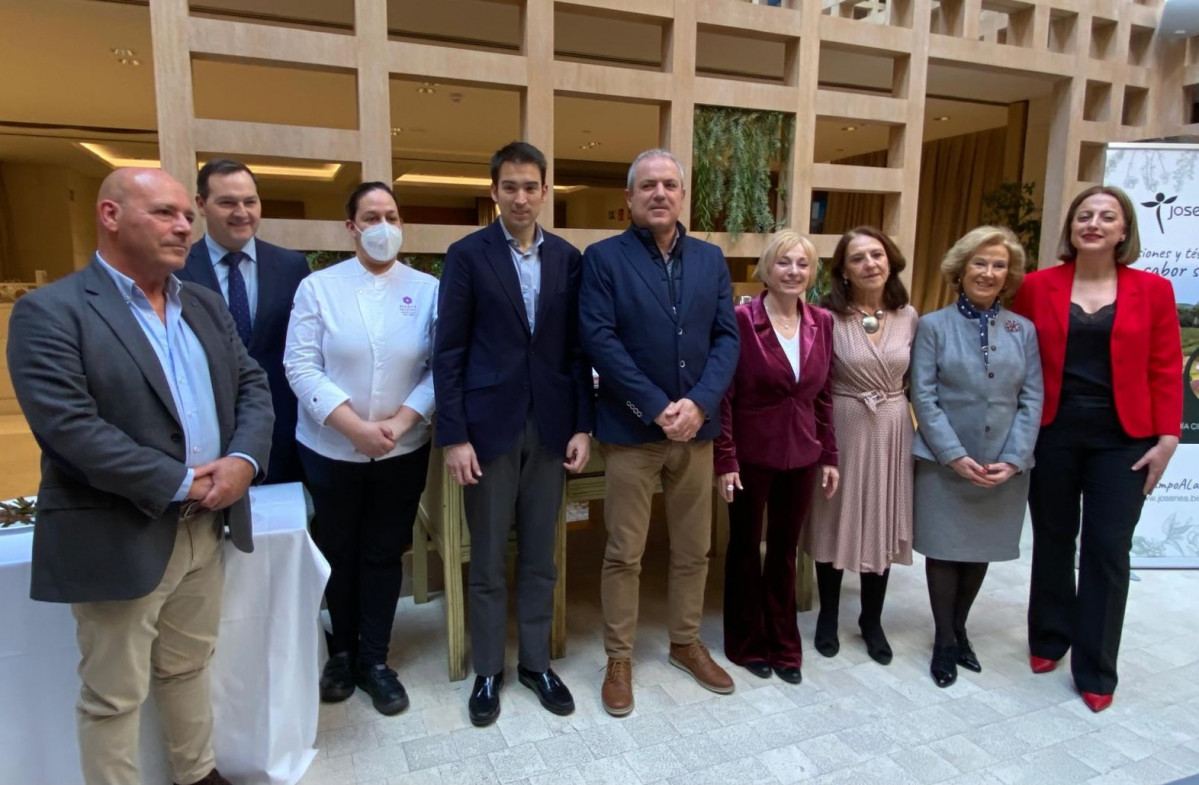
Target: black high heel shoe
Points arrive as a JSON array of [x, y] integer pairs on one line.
[[966, 656], [944, 667]]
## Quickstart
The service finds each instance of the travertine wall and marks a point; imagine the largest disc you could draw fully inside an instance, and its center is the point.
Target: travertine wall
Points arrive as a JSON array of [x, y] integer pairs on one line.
[[1115, 81]]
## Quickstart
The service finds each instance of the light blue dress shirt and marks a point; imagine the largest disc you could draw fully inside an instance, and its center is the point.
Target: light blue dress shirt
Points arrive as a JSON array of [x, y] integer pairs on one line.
[[185, 365], [248, 267], [528, 270]]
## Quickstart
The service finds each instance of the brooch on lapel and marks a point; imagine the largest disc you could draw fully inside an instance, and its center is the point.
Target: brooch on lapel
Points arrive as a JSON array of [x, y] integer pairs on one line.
[[1012, 326]]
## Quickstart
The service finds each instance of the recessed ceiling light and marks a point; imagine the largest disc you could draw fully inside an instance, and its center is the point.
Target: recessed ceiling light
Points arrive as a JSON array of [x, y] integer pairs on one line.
[[116, 160], [589, 145], [125, 56], [1180, 32], [850, 128], [942, 118], [396, 131], [427, 88]]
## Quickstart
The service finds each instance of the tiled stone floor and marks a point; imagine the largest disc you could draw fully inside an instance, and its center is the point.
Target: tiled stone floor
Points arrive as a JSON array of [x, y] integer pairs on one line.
[[851, 721]]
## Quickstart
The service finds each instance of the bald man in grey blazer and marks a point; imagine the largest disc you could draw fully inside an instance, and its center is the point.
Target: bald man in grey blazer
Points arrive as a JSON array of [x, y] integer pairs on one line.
[[153, 422]]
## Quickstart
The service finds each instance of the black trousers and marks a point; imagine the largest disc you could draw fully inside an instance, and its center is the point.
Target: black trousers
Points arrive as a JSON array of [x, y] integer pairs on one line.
[[1084, 454], [521, 488], [364, 517]]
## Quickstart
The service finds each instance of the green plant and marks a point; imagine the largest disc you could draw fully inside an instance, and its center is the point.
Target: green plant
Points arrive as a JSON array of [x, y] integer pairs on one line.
[[734, 152], [425, 262], [822, 281], [319, 260], [20, 510], [1012, 205]]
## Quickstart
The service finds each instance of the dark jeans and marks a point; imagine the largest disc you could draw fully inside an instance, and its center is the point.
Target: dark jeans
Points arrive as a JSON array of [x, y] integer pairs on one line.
[[1083, 455], [759, 599], [364, 517]]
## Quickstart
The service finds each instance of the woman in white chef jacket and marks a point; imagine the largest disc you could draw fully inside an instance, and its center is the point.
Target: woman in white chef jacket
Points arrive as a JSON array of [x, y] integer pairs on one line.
[[357, 357]]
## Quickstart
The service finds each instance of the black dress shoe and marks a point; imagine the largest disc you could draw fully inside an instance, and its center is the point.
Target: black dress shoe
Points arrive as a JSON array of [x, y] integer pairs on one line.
[[826, 634], [383, 685], [944, 667], [757, 668], [549, 688], [212, 778], [337, 679], [789, 674], [966, 656], [484, 703], [876, 644]]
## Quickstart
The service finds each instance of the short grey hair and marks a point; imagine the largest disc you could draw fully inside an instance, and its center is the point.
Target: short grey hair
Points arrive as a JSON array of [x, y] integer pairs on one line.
[[656, 152], [953, 266]]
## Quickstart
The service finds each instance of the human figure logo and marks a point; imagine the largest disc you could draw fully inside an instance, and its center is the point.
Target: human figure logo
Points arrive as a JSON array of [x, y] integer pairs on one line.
[[1158, 202]]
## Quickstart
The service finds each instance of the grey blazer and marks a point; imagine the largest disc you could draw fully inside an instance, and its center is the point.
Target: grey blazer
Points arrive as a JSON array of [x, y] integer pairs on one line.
[[98, 404], [963, 408]]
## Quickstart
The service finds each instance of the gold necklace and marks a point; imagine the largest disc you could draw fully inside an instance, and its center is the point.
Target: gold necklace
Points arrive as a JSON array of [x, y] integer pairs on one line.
[[779, 319]]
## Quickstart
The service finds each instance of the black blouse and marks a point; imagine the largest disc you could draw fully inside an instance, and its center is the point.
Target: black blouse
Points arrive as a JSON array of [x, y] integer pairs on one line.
[[1087, 373]]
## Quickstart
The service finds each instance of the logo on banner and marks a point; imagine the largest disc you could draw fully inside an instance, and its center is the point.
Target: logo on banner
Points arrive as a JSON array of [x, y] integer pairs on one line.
[[1158, 203]]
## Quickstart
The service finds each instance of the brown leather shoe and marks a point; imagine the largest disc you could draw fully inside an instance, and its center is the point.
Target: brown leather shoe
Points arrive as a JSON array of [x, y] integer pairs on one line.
[[694, 658], [617, 693]]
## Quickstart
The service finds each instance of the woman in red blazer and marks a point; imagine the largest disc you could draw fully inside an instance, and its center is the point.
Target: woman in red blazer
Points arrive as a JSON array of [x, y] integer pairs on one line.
[[776, 436], [1111, 353]]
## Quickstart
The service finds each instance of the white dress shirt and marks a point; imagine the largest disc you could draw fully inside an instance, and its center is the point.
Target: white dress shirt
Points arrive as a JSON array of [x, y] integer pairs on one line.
[[367, 339]]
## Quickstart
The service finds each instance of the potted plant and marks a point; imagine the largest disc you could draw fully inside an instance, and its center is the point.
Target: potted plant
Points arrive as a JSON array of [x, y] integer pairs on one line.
[[17, 514]]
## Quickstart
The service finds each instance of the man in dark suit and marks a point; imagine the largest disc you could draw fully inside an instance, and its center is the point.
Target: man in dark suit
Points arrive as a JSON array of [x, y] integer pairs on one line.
[[656, 319], [514, 401], [258, 281], [153, 421]]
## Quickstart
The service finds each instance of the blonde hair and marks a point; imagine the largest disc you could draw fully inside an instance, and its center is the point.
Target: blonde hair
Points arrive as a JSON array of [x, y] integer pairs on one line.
[[781, 243], [957, 257]]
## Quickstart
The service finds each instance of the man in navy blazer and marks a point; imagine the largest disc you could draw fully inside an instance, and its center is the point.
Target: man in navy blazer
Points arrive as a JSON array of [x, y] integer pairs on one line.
[[515, 407], [258, 281], [656, 318]]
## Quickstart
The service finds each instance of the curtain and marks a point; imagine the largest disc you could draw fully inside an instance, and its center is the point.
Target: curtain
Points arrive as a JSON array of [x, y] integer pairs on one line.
[[486, 210], [847, 209], [8, 260], [955, 173]]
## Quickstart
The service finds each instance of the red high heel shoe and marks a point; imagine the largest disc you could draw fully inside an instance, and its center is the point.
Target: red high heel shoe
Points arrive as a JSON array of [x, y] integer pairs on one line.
[[1096, 702], [1040, 664]]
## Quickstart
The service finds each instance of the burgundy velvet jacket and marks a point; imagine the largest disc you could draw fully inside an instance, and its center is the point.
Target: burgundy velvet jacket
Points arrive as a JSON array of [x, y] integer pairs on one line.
[[768, 419]]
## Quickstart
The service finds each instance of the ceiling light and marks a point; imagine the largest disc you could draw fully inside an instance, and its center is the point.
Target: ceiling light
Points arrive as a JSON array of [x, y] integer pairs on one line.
[[397, 130], [942, 118], [413, 178], [590, 145], [315, 172], [1180, 32], [125, 56], [850, 128], [427, 88]]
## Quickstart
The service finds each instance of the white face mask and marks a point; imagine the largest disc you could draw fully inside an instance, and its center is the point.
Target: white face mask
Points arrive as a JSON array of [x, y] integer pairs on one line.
[[381, 241]]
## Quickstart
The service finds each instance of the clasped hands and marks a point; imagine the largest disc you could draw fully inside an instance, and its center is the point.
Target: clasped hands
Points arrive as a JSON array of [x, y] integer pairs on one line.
[[984, 476], [217, 484], [681, 420]]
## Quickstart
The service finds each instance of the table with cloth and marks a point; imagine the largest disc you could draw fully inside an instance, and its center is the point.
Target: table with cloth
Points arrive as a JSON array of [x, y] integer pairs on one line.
[[264, 673]]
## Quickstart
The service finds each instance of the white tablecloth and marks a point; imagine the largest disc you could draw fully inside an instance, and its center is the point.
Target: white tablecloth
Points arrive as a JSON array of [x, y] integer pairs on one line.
[[264, 674]]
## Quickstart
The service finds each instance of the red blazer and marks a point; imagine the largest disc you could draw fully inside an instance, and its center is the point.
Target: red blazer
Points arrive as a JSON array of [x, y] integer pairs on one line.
[[1146, 345], [768, 419]]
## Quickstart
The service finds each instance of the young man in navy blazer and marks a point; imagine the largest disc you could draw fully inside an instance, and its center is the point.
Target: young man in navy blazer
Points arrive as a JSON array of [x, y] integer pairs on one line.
[[656, 318], [258, 282], [514, 409]]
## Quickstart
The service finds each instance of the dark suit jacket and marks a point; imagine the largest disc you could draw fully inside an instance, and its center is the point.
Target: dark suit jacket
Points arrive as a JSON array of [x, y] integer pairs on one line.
[[1146, 345], [767, 418], [646, 355], [488, 368], [279, 274], [113, 453]]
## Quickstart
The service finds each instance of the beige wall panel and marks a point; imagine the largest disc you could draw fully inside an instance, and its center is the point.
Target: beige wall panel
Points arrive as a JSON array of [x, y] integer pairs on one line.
[[861, 106], [242, 40], [288, 141], [862, 179], [661, 9], [173, 87], [744, 95], [870, 38], [750, 19], [449, 64], [584, 79], [374, 97], [999, 57], [537, 103]]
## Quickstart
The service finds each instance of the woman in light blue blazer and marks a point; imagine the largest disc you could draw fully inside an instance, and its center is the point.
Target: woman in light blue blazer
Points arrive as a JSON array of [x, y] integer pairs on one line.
[[976, 391]]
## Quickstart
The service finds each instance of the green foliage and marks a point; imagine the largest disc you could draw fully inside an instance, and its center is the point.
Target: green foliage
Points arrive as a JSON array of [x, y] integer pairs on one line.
[[822, 281], [319, 260], [1012, 205], [734, 151]]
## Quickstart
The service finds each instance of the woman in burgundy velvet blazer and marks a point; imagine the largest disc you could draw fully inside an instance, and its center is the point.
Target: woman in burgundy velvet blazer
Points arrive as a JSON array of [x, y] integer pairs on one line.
[[776, 435]]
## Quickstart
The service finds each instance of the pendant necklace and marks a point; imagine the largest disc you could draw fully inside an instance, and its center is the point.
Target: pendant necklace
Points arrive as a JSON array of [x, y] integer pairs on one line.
[[870, 322]]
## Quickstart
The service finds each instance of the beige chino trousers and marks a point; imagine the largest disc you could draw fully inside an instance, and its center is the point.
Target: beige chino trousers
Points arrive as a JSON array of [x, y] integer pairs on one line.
[[166, 638]]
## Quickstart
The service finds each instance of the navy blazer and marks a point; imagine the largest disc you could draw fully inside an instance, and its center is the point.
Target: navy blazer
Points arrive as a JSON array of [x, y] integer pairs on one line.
[[489, 371], [279, 274], [647, 355]]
